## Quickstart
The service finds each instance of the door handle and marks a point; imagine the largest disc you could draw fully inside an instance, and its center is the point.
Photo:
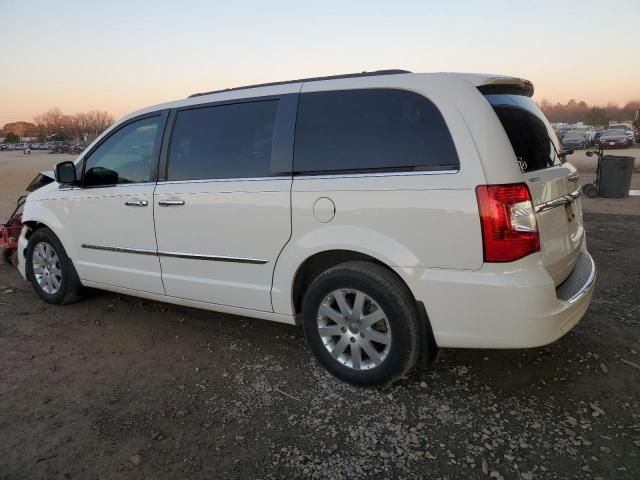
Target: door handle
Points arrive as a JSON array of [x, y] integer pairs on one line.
[[136, 203], [171, 203]]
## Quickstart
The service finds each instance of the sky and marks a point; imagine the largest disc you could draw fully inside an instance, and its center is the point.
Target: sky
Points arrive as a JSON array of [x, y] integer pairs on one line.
[[120, 56]]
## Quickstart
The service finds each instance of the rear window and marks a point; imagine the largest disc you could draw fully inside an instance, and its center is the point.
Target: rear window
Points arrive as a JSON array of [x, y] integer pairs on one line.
[[534, 141], [370, 130]]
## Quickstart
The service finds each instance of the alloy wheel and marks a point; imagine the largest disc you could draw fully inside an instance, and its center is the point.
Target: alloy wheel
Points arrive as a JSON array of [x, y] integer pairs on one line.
[[46, 268], [354, 329]]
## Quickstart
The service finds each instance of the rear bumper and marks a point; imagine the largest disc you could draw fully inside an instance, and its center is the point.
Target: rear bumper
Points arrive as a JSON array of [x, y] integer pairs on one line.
[[513, 305]]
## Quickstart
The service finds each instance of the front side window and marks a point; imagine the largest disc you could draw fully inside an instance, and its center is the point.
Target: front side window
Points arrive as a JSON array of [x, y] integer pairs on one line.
[[126, 156], [370, 131], [223, 141]]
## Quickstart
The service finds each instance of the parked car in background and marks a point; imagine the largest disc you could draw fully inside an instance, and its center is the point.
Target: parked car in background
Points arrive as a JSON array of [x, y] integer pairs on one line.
[[20, 146], [614, 138], [627, 129], [573, 140], [61, 147], [77, 148], [599, 130], [359, 207], [587, 132], [560, 128]]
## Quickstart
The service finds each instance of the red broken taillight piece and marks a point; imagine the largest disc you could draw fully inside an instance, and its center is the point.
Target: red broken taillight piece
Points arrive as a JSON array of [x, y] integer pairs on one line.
[[509, 228]]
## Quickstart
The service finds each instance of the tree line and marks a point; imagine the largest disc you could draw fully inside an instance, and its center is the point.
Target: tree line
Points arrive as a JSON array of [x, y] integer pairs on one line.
[[55, 122], [94, 122], [578, 111]]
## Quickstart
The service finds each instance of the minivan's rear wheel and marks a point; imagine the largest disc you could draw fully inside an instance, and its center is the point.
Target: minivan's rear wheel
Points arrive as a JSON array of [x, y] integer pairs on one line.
[[361, 323], [50, 270]]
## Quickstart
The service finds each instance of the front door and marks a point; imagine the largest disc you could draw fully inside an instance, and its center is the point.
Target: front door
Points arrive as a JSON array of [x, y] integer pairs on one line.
[[223, 212], [111, 215]]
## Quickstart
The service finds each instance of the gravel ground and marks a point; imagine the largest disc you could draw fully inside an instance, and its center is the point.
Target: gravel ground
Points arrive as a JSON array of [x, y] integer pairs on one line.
[[118, 387]]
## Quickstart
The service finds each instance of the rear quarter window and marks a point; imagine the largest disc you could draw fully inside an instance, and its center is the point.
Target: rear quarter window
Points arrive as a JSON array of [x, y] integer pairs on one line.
[[370, 130]]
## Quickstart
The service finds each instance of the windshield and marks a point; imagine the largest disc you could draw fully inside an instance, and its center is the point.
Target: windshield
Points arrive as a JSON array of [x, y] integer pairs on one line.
[[614, 132], [619, 127], [572, 135], [532, 137]]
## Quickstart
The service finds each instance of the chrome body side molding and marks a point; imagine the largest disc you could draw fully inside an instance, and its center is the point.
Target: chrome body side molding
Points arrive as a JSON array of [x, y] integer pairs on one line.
[[139, 251], [192, 256]]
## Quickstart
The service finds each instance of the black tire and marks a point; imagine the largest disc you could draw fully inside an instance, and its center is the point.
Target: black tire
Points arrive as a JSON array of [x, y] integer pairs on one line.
[[70, 288], [398, 306]]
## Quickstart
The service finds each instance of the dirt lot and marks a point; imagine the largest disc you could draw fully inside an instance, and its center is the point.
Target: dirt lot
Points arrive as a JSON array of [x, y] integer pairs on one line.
[[116, 387]]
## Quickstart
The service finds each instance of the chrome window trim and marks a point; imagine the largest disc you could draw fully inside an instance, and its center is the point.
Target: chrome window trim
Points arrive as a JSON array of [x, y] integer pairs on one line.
[[376, 174], [191, 256], [320, 176], [118, 185], [216, 180]]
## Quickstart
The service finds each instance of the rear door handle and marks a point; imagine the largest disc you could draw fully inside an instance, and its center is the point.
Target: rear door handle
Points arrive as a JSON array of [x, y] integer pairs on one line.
[[136, 203], [171, 203]]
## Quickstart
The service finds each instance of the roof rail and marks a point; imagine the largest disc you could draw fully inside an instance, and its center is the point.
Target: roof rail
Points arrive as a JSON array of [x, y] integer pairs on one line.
[[311, 79]]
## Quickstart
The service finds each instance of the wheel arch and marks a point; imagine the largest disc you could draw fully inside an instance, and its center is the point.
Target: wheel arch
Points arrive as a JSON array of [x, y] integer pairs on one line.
[[321, 261], [37, 216]]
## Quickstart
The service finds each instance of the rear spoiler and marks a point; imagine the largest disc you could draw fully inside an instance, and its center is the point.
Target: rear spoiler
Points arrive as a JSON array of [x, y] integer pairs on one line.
[[507, 85]]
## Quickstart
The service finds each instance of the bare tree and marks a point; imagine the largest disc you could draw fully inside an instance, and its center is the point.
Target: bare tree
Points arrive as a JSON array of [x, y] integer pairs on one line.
[[50, 121], [21, 129], [75, 126], [99, 121]]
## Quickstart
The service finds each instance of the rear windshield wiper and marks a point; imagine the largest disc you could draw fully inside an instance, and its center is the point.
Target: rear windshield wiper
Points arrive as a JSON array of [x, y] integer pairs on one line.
[[562, 155]]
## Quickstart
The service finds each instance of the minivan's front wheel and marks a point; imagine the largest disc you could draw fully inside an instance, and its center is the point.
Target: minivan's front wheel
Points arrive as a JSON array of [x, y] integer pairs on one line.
[[361, 323], [50, 270]]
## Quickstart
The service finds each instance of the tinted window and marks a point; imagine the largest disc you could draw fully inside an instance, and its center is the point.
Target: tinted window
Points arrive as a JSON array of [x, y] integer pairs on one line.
[[225, 141], [370, 130], [534, 141], [126, 156]]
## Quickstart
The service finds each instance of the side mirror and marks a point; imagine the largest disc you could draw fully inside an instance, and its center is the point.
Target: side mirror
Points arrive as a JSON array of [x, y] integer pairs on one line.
[[589, 154], [65, 173]]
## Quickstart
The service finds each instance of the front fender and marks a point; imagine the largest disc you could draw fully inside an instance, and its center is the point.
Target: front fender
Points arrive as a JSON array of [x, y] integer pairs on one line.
[[41, 213]]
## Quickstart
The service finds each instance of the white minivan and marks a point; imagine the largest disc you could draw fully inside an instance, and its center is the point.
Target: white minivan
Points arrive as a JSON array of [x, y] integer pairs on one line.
[[388, 213]]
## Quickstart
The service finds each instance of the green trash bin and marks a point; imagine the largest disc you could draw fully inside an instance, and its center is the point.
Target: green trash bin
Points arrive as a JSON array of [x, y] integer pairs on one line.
[[615, 176]]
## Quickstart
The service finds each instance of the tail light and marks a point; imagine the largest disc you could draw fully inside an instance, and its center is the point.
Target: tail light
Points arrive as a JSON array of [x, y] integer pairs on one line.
[[509, 228]]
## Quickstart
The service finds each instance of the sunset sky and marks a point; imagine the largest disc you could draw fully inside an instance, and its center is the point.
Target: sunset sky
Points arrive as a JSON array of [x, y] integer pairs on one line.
[[123, 55]]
